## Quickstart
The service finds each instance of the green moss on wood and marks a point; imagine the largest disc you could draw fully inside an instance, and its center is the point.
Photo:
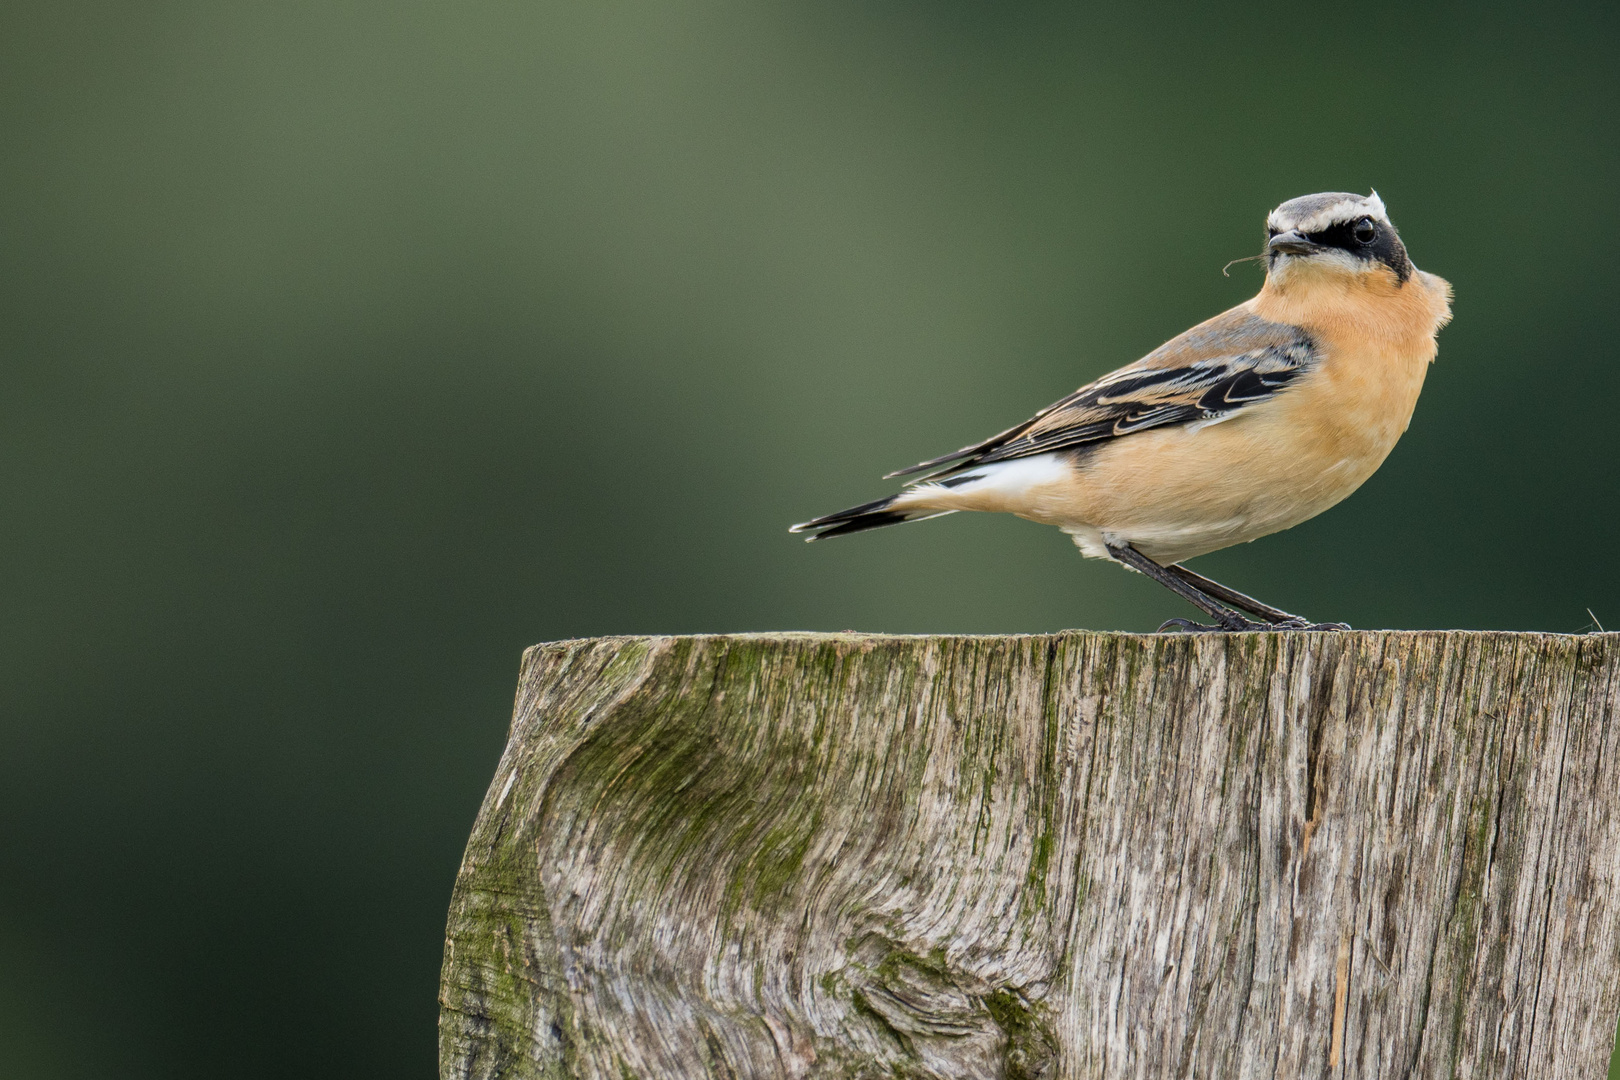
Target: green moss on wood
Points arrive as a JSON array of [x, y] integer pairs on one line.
[[1030, 1048]]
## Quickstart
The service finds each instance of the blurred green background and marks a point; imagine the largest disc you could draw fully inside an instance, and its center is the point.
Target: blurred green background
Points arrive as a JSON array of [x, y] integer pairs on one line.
[[347, 348]]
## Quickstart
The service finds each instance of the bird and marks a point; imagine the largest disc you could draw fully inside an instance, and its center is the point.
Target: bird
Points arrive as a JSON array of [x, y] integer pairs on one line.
[[1245, 425]]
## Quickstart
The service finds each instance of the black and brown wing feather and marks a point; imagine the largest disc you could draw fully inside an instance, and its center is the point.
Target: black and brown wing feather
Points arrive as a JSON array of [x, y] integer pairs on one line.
[[1208, 374]]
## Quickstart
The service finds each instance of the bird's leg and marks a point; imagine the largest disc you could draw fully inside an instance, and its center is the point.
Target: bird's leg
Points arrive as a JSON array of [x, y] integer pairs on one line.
[[1243, 602], [1225, 618], [1232, 596]]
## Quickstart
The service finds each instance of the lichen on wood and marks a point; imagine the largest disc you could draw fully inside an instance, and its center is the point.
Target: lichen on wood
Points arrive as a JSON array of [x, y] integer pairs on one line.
[[1079, 855]]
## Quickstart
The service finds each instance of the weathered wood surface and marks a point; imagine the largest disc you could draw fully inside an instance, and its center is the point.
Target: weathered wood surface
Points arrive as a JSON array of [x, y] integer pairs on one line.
[[1087, 855]]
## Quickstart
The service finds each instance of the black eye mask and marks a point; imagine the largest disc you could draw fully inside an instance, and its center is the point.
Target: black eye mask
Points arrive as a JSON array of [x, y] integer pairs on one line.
[[1386, 246]]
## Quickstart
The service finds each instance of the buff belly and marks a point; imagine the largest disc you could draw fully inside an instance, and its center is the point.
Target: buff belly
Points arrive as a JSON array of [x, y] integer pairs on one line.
[[1180, 492]]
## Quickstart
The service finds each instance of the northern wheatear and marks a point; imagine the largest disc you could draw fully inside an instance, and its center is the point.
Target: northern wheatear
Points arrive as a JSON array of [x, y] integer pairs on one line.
[[1245, 425]]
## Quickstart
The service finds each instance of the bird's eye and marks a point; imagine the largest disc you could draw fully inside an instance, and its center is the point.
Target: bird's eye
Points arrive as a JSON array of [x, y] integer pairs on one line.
[[1365, 231]]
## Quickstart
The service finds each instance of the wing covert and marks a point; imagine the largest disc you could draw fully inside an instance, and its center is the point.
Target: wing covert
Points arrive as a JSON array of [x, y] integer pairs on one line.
[[1208, 373]]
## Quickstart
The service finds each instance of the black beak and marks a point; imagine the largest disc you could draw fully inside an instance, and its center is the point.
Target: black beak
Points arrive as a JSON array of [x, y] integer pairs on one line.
[[1290, 243]]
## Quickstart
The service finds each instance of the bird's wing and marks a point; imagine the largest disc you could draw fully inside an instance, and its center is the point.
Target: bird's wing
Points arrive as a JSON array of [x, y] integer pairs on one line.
[[1208, 373]]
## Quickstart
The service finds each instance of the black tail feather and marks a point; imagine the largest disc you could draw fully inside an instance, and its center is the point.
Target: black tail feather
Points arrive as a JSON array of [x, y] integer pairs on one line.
[[862, 523], [872, 515]]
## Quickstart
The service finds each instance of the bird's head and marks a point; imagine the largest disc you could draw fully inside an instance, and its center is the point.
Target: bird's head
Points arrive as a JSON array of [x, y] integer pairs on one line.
[[1334, 233]]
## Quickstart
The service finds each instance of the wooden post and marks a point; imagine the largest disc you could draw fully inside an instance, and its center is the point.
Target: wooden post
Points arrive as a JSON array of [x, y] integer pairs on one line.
[[1373, 855]]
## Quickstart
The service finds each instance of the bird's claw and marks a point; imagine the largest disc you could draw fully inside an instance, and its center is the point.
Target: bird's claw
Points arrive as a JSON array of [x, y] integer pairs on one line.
[[1187, 626], [1241, 625], [1183, 626], [1297, 623]]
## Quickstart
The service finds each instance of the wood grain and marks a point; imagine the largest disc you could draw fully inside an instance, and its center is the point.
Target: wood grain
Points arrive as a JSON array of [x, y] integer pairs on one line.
[[1385, 855]]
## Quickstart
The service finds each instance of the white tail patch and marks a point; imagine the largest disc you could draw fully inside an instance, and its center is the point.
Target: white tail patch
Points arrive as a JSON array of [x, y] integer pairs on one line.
[[1006, 479]]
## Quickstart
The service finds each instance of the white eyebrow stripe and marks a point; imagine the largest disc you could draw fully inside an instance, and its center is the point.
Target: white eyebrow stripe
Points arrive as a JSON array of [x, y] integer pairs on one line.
[[1335, 214]]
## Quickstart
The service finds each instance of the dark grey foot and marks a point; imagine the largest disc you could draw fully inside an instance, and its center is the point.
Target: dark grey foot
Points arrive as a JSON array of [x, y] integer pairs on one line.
[[1234, 625], [1187, 626], [1183, 626]]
